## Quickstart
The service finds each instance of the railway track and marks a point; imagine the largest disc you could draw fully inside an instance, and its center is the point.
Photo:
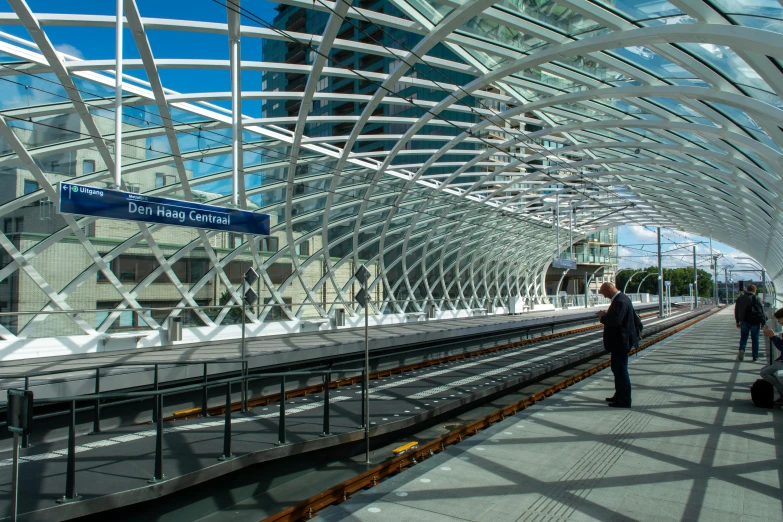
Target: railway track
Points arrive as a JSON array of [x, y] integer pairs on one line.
[[414, 452], [264, 400]]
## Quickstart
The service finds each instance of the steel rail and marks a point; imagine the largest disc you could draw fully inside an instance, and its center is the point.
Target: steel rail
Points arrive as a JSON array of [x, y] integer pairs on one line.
[[378, 374]]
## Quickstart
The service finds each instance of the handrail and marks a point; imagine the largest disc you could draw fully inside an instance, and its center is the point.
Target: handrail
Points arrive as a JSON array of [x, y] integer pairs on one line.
[[239, 306], [117, 365], [157, 415]]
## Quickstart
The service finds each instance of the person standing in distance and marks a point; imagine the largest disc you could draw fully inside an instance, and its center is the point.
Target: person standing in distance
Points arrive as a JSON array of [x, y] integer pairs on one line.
[[620, 335], [749, 316]]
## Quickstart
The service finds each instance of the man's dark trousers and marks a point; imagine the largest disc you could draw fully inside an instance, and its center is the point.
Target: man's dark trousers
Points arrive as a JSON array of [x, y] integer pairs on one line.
[[622, 381], [746, 329]]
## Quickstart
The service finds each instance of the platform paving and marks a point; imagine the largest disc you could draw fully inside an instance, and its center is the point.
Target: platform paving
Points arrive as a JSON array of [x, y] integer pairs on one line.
[[692, 448], [112, 467]]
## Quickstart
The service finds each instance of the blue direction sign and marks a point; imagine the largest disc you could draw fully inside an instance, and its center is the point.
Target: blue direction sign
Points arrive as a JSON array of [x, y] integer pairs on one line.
[[116, 204], [563, 263]]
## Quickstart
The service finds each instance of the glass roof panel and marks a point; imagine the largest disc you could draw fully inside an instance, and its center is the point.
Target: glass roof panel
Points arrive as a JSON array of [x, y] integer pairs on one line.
[[433, 11], [503, 34], [770, 8], [728, 63], [636, 10], [557, 16], [758, 22], [591, 67], [738, 116], [652, 62], [669, 20], [675, 107]]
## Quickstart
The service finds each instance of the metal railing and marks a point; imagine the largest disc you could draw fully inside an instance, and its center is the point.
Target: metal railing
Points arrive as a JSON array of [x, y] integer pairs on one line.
[[157, 414], [96, 370], [137, 320], [578, 300]]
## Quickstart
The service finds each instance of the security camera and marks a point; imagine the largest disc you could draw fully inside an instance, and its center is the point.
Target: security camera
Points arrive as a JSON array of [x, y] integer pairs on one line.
[[637, 151]]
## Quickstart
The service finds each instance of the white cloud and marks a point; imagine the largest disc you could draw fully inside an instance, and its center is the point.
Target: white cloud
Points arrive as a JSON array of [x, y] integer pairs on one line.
[[69, 50]]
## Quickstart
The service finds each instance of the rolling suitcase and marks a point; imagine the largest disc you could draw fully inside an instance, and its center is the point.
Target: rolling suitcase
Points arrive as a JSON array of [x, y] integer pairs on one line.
[[763, 394]]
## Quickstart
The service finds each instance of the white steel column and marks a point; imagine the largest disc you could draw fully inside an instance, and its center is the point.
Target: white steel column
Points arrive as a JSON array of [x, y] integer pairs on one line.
[[660, 276], [236, 102], [557, 206], [118, 99], [571, 232]]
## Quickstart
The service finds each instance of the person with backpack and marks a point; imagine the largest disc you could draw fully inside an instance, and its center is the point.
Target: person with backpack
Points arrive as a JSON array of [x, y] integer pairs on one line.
[[622, 327], [770, 373], [749, 316]]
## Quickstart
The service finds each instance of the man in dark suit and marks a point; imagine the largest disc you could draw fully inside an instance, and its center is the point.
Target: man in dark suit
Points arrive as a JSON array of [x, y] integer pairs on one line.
[[620, 336]]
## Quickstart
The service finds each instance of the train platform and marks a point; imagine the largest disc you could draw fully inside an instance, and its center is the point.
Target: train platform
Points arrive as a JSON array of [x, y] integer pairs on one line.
[[692, 448], [112, 468]]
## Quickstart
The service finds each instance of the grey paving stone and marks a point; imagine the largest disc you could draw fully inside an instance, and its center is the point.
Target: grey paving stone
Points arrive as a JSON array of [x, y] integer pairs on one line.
[[692, 448]]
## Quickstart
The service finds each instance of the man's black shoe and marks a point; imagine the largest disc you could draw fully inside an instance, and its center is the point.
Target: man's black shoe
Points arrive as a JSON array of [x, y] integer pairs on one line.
[[618, 405], [611, 399]]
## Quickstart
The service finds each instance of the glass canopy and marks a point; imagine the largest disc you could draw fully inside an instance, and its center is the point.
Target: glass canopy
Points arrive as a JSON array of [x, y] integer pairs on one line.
[[423, 138]]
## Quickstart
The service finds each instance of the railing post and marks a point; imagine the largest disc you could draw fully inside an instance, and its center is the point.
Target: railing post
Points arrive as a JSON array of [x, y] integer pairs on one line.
[[26, 437], [281, 428], [326, 404], [204, 395], [70, 470], [227, 426], [244, 384], [158, 476], [154, 399], [96, 419], [364, 405]]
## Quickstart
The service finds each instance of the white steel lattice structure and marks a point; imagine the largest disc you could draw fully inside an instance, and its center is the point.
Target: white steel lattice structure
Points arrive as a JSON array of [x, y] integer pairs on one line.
[[660, 113]]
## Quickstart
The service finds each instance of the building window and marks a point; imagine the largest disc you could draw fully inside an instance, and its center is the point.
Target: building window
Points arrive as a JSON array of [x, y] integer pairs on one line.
[[88, 166], [235, 240], [279, 272], [20, 225], [276, 310], [160, 180], [303, 249], [30, 186], [126, 320], [8, 225], [236, 270], [270, 244]]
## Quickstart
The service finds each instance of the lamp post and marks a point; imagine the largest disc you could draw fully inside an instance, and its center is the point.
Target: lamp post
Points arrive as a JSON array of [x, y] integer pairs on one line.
[[660, 276]]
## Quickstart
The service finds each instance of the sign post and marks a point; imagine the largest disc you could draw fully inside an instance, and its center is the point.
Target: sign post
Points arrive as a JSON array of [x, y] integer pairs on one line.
[[249, 297], [83, 200], [20, 422], [363, 297]]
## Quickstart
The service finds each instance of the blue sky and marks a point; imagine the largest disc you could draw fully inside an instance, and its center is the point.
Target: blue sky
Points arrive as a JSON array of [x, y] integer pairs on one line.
[[93, 43]]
